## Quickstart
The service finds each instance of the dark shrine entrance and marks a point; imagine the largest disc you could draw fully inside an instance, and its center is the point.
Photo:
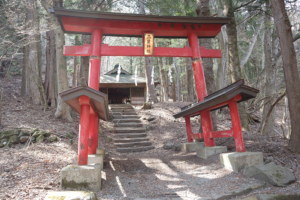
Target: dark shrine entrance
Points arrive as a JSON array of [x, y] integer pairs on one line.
[[118, 95]]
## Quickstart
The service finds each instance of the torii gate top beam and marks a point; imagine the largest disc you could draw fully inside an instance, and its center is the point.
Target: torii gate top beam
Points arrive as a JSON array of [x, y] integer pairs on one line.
[[135, 25]]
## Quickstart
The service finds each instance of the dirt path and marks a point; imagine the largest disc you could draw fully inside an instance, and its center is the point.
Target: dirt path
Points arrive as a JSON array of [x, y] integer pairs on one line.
[[30, 173]]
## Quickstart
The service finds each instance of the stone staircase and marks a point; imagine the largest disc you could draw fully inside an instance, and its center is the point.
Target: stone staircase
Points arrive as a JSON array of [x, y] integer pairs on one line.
[[129, 133]]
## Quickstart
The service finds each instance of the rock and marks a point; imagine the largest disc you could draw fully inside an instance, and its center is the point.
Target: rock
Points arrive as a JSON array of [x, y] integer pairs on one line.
[[8, 134], [168, 145], [271, 173], [24, 139], [52, 138], [176, 147], [71, 195], [277, 197], [32, 132], [47, 134], [23, 133], [38, 133], [40, 138], [150, 119], [69, 135], [147, 106], [3, 142], [14, 139]]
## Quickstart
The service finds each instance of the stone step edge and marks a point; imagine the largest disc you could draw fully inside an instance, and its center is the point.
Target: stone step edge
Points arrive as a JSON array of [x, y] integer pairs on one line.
[[124, 140], [130, 135], [134, 144], [135, 149]]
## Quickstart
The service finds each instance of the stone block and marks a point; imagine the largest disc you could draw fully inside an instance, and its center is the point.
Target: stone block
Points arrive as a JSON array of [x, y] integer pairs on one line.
[[278, 196], [81, 177], [101, 151], [206, 152], [191, 146], [71, 195], [92, 159], [238, 161], [271, 173]]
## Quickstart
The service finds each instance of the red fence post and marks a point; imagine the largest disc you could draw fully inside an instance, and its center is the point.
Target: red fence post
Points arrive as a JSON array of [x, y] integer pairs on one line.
[[201, 88], [84, 130], [188, 128], [94, 83], [237, 128]]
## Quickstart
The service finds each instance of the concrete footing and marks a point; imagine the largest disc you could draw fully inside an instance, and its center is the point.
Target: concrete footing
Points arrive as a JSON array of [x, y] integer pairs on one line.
[[206, 152], [92, 159], [80, 195], [238, 161], [191, 146], [81, 177]]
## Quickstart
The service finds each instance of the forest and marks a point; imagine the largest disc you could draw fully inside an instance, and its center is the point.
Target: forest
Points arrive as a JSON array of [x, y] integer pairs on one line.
[[260, 45], [32, 42]]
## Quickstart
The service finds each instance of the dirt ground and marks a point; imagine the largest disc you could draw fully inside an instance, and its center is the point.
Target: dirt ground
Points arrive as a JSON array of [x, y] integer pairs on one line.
[[30, 172]]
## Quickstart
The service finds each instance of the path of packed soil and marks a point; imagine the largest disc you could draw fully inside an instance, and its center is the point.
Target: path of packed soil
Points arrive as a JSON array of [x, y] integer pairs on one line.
[[31, 172]]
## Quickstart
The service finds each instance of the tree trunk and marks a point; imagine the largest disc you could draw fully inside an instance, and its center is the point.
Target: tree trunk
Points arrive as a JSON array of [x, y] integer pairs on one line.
[[85, 60], [189, 78], [75, 64], [50, 83], [163, 79], [204, 11], [234, 61], [173, 90], [33, 72], [148, 67], [269, 73], [222, 71], [63, 110], [247, 54], [24, 83], [177, 81], [291, 74]]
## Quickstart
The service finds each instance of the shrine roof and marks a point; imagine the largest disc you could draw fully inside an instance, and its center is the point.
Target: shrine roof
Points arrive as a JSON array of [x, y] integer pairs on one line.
[[135, 25], [124, 78]]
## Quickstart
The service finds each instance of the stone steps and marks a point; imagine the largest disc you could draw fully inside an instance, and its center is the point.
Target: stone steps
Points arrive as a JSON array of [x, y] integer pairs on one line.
[[134, 144], [130, 135], [129, 140], [125, 125], [122, 110], [127, 113], [129, 130], [120, 106], [125, 116], [134, 149], [127, 120]]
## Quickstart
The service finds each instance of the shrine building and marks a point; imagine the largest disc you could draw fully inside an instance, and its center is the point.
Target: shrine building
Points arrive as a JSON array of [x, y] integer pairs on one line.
[[125, 89]]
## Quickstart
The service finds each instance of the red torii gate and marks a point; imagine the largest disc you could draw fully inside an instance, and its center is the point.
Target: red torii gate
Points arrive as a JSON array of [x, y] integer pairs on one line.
[[100, 24]]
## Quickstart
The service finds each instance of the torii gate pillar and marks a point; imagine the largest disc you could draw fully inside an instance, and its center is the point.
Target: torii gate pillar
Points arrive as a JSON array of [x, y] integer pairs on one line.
[[94, 76]]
